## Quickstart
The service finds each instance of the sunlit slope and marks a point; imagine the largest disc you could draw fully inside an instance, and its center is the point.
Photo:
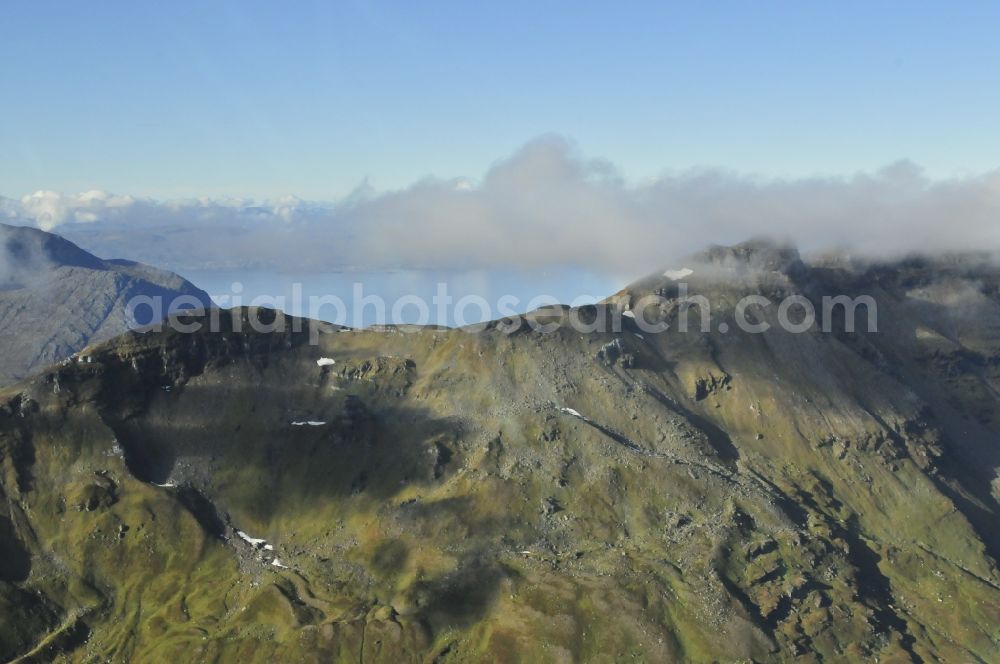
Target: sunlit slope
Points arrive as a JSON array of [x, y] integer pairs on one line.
[[442, 495]]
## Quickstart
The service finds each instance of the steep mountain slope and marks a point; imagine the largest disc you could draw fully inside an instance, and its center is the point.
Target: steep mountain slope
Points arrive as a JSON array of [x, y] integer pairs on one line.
[[55, 298], [441, 495]]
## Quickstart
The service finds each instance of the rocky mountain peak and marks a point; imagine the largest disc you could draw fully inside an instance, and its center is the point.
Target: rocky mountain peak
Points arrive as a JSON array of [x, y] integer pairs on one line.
[[56, 298], [433, 494], [756, 254]]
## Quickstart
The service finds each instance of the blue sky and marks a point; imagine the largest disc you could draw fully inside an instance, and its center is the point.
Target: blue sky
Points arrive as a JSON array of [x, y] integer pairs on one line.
[[264, 99]]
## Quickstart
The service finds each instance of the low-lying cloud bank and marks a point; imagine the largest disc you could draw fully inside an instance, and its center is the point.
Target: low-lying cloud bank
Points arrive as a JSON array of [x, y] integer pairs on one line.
[[547, 205]]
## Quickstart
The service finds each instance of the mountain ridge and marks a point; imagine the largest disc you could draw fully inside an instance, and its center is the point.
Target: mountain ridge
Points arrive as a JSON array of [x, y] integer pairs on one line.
[[56, 298], [408, 494]]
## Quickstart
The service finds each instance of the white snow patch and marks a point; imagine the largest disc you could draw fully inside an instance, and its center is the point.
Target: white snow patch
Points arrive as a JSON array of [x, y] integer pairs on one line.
[[168, 485], [570, 411], [269, 547], [628, 314], [277, 563], [639, 336], [252, 541], [678, 274], [325, 362], [309, 423]]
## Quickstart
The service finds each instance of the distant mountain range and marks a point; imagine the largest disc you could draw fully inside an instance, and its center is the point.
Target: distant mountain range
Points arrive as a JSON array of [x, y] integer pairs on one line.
[[56, 298], [575, 495]]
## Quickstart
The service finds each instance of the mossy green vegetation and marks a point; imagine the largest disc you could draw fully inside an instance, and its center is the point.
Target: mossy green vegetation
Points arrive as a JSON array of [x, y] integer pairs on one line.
[[777, 497]]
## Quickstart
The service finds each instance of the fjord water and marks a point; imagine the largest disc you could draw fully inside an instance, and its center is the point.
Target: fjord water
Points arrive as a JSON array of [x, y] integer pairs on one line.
[[502, 291]]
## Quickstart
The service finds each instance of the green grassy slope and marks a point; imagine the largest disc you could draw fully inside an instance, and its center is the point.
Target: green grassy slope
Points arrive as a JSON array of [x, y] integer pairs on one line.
[[727, 497]]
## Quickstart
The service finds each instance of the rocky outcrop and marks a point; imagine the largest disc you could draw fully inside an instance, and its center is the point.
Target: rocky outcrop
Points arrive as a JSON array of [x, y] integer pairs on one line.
[[446, 496]]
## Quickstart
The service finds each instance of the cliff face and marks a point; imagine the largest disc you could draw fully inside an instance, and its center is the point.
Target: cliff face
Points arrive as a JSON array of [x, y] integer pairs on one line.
[[55, 299], [441, 495]]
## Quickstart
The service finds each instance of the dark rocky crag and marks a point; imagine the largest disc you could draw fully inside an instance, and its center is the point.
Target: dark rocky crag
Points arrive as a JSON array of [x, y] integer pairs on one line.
[[56, 298], [441, 495]]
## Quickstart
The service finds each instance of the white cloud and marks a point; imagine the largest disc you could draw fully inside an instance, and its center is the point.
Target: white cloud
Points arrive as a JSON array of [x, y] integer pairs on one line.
[[49, 209], [544, 205]]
